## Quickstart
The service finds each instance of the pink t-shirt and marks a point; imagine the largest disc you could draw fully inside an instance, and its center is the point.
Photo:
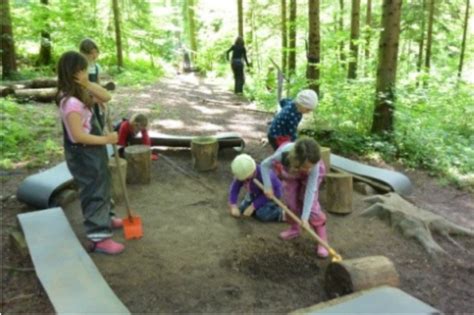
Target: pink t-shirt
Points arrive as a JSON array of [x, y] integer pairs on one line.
[[70, 105]]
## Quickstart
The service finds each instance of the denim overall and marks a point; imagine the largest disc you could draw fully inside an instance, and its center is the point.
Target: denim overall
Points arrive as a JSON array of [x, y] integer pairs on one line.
[[88, 165]]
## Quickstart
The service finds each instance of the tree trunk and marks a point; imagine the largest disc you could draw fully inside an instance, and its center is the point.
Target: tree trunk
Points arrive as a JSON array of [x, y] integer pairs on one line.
[[7, 42], [314, 49], [352, 275], [192, 29], [118, 34], [421, 41], [292, 39], [387, 67], [338, 193], [342, 55], [463, 43], [368, 25], [284, 38], [45, 55], [138, 164], [204, 153], [355, 33], [240, 18], [429, 40]]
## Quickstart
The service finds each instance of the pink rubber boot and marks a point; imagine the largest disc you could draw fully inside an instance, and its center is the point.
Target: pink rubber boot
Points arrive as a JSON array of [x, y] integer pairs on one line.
[[291, 233], [321, 231], [108, 246]]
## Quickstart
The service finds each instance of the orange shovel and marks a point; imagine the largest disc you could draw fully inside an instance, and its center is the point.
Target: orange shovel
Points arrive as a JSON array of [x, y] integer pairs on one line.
[[132, 225]]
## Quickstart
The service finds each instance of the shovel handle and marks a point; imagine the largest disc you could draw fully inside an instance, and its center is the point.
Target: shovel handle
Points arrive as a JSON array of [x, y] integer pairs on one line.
[[334, 255], [119, 171]]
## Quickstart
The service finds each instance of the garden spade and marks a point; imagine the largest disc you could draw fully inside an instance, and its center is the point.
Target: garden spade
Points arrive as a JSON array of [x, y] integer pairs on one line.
[[132, 225], [351, 275]]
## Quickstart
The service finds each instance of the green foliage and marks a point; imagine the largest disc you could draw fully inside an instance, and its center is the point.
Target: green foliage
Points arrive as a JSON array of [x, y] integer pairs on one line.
[[137, 73], [27, 135]]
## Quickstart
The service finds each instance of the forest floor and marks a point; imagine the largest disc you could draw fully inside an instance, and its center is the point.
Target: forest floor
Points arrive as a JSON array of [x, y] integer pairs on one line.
[[196, 258]]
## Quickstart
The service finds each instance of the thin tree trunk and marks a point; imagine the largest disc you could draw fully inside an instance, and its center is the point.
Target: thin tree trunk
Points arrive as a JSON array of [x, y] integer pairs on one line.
[[45, 54], [240, 18], [463, 44], [368, 24], [192, 29], [292, 39], [284, 38], [118, 35], [355, 33], [421, 41], [429, 40], [342, 54], [314, 49], [387, 67], [7, 42]]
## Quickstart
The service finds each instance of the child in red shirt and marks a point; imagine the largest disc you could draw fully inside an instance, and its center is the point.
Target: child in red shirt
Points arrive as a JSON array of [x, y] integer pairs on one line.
[[128, 129]]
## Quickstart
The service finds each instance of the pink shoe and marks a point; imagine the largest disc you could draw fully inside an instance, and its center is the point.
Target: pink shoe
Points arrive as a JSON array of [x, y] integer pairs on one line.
[[117, 223], [291, 233], [108, 246], [322, 252]]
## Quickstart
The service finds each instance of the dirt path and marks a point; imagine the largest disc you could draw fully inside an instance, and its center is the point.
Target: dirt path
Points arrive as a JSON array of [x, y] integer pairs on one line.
[[195, 258]]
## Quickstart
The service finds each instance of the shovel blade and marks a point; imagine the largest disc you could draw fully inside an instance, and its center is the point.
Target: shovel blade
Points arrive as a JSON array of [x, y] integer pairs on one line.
[[132, 227]]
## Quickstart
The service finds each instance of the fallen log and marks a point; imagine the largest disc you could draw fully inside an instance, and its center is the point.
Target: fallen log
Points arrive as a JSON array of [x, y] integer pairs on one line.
[[45, 95]]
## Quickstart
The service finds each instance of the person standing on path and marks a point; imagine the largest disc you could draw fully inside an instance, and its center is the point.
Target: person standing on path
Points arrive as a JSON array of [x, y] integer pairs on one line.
[[239, 56]]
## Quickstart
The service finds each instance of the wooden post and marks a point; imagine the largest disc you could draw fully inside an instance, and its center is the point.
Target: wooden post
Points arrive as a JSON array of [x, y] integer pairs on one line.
[[117, 193], [338, 193], [204, 153], [348, 276], [326, 157], [138, 164]]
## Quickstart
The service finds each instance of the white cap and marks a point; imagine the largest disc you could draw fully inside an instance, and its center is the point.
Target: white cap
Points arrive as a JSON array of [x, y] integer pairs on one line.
[[307, 98], [243, 166]]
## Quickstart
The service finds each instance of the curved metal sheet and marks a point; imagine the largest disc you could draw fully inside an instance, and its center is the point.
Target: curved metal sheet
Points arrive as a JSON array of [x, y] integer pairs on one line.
[[69, 276], [397, 181]]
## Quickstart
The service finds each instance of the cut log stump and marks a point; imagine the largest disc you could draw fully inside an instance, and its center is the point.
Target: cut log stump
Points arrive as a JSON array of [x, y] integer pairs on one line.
[[138, 164], [204, 153], [352, 275], [117, 193], [338, 193]]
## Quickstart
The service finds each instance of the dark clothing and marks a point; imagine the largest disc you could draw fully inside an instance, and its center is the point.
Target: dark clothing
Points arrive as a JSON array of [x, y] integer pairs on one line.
[[239, 76], [238, 53], [284, 125], [239, 56], [94, 77], [88, 165]]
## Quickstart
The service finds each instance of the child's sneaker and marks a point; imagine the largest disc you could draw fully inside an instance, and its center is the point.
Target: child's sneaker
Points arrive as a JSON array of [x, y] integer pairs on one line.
[[291, 233], [322, 252], [107, 246], [117, 223]]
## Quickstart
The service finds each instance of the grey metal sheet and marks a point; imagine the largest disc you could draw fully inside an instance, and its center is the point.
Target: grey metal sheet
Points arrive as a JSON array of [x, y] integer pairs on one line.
[[38, 190], [69, 276], [382, 300], [397, 181]]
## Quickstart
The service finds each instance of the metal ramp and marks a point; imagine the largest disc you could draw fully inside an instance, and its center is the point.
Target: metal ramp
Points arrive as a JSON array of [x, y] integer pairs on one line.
[[69, 276], [381, 300]]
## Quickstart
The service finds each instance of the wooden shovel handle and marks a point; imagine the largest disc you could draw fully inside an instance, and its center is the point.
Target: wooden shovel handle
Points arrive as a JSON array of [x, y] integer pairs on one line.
[[334, 255], [119, 170]]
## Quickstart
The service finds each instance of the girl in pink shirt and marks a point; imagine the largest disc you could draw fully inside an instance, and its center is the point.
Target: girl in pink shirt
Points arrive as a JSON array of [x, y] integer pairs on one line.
[[85, 149]]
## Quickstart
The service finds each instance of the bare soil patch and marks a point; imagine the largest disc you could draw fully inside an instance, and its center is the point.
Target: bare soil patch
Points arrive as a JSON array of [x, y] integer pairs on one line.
[[195, 258]]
